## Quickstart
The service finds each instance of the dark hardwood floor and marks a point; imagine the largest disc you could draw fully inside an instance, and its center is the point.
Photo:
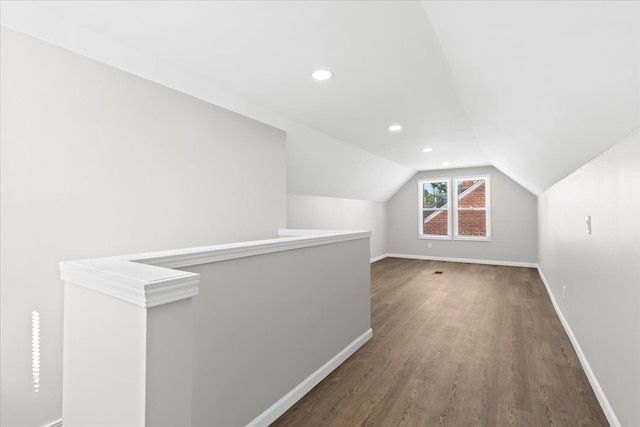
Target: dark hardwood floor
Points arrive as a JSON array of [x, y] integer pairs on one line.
[[478, 345]]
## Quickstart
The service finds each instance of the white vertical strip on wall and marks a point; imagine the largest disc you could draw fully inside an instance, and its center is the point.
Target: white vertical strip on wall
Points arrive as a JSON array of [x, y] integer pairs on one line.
[[35, 350]]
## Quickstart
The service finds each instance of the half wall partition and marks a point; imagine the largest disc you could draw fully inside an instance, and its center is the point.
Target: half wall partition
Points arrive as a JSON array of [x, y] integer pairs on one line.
[[225, 335]]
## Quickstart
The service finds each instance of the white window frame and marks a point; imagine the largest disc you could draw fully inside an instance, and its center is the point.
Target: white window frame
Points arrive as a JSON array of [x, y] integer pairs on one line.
[[421, 234], [486, 208]]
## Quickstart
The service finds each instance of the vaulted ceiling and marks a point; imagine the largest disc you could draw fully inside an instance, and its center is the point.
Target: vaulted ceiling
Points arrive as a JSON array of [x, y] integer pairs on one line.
[[534, 88]]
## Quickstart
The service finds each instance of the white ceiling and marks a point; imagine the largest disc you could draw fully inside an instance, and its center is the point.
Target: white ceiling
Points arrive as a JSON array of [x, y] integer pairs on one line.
[[547, 86], [534, 88]]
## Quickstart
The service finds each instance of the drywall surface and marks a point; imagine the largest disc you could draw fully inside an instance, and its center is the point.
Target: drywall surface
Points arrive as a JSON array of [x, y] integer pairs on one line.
[[169, 374], [601, 271], [513, 222], [93, 323], [98, 162], [125, 365], [546, 85], [320, 165], [263, 324], [317, 164], [328, 213]]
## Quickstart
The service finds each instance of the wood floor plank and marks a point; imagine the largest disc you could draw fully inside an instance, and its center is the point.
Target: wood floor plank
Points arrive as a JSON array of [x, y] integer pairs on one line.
[[478, 345]]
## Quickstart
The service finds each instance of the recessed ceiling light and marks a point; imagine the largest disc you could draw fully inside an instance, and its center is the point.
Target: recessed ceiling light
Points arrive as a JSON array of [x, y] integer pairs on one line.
[[395, 128], [426, 150], [446, 163], [322, 74]]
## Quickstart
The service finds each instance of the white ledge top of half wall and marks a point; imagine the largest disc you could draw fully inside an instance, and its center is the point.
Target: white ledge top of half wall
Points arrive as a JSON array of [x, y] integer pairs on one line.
[[149, 279]]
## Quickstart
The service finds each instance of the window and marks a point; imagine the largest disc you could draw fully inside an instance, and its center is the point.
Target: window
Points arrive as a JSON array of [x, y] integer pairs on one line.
[[472, 219], [469, 215], [434, 202]]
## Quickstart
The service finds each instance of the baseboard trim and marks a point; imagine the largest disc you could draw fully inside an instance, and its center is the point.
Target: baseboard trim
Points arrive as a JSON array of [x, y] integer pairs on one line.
[[466, 260], [595, 385], [289, 399], [378, 258]]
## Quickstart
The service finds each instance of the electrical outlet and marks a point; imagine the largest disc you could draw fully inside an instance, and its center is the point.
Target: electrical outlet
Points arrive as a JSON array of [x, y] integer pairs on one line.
[[564, 291], [430, 245], [588, 221]]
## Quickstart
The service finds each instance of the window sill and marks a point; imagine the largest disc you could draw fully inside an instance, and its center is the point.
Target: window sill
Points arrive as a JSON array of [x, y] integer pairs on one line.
[[433, 237], [473, 239]]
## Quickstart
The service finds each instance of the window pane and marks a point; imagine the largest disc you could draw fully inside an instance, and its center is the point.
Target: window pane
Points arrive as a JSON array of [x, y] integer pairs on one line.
[[472, 223], [434, 194], [471, 193], [435, 222]]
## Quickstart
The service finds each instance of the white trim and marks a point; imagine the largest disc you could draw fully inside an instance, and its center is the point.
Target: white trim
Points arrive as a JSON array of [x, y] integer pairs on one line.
[[595, 385], [148, 279], [298, 232], [288, 400], [467, 260], [291, 239], [421, 234], [433, 237], [139, 284], [378, 258], [55, 424], [472, 238], [486, 208]]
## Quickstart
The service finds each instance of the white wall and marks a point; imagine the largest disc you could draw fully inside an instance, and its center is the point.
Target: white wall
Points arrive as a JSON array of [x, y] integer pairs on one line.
[[601, 271], [328, 213], [317, 163], [98, 162], [513, 222], [291, 312]]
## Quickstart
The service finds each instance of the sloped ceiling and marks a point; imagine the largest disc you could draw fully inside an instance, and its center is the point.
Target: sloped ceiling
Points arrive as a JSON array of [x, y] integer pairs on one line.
[[547, 86], [534, 88]]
